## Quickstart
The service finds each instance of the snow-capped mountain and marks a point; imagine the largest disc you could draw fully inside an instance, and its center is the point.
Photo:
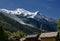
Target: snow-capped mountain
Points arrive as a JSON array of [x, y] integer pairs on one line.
[[20, 12], [12, 15], [25, 13], [34, 19]]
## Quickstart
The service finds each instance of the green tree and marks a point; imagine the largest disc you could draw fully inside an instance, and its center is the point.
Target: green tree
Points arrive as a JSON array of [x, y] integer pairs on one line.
[[3, 35], [19, 34], [1, 32], [58, 25]]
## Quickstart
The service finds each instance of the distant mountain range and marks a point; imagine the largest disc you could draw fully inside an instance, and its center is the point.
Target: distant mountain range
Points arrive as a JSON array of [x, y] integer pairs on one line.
[[29, 22]]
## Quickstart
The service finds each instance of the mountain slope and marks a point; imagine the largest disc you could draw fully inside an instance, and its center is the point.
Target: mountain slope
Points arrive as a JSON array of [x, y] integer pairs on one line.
[[18, 26], [31, 19]]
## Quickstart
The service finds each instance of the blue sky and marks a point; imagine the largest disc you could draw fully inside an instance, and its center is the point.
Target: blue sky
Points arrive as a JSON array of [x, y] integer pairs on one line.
[[50, 8]]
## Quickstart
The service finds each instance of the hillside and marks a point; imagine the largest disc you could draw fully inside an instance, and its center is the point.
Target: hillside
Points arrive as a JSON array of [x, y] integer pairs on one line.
[[16, 26]]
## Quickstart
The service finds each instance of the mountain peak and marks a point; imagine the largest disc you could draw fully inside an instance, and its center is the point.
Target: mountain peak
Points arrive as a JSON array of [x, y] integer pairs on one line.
[[20, 11], [26, 13]]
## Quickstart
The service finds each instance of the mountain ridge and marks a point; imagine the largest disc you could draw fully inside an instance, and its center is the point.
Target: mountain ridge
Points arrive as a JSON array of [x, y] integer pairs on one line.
[[27, 18], [24, 12]]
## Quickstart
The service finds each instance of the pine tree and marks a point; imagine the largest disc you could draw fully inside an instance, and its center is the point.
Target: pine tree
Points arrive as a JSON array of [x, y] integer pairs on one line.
[[1, 33]]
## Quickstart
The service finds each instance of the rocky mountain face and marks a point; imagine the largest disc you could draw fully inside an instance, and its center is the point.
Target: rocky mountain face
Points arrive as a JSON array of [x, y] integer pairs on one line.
[[34, 21]]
